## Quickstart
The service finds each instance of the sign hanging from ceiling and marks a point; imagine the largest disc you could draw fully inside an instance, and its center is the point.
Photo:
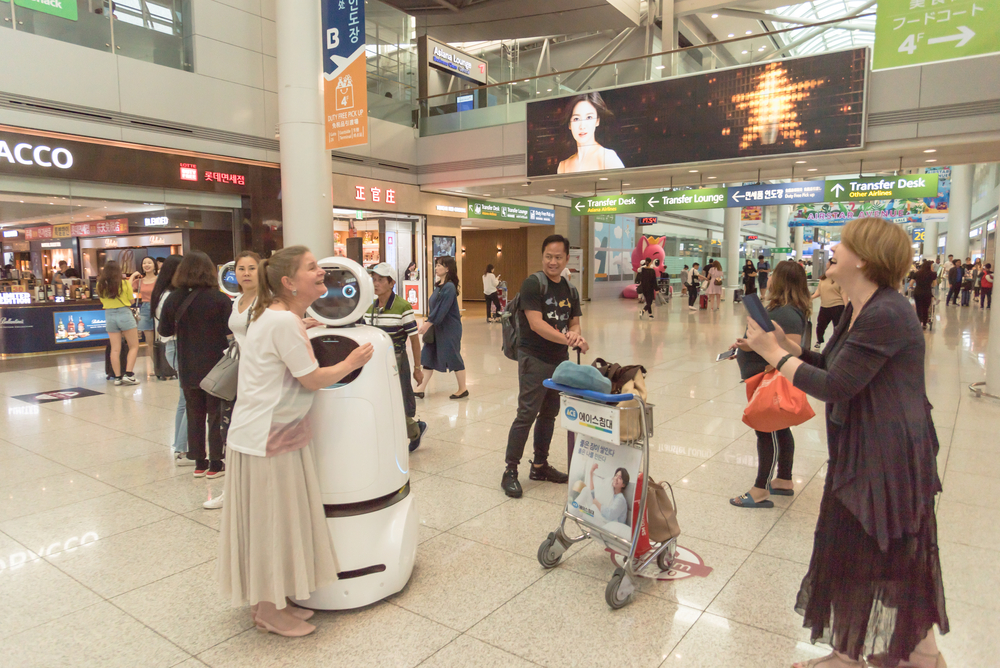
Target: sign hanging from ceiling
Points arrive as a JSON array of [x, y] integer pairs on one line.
[[913, 32], [514, 213], [443, 57], [881, 188], [674, 200], [776, 193], [345, 85]]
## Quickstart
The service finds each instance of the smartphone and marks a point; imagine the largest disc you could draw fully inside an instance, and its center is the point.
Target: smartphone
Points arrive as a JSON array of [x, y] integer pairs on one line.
[[726, 355], [755, 309]]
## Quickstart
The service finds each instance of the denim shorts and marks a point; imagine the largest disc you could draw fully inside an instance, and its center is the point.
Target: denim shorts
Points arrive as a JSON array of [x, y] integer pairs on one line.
[[145, 319], [119, 319]]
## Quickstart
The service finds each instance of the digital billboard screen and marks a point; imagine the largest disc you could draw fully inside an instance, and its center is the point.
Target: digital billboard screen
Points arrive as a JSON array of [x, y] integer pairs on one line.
[[798, 105]]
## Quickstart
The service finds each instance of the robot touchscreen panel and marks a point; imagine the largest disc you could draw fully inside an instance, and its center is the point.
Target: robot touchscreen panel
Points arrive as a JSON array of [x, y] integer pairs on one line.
[[342, 297], [229, 282]]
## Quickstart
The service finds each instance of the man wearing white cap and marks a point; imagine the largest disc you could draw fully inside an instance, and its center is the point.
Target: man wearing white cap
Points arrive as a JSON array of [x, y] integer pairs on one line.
[[394, 315]]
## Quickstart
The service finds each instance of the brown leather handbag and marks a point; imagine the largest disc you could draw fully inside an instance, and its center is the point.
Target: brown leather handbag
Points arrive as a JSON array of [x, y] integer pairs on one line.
[[661, 512]]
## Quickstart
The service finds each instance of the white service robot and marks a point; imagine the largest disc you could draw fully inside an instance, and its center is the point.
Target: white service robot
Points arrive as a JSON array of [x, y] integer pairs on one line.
[[361, 446]]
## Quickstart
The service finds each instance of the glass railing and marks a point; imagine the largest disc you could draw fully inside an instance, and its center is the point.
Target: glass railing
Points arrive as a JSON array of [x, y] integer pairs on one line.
[[500, 103], [149, 30]]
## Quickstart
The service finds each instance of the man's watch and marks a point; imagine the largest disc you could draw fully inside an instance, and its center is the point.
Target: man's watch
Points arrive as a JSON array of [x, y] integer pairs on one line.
[[417, 367]]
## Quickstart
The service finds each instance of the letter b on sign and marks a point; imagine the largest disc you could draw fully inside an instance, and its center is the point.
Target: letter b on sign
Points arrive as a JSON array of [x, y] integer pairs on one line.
[[332, 38]]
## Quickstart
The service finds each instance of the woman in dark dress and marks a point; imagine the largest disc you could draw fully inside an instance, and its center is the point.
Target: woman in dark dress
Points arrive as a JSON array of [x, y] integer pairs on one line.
[[444, 352], [922, 290], [646, 280], [749, 278], [874, 584]]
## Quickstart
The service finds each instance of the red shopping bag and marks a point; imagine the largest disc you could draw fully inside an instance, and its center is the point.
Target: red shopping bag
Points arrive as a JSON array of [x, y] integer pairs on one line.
[[774, 403], [642, 541]]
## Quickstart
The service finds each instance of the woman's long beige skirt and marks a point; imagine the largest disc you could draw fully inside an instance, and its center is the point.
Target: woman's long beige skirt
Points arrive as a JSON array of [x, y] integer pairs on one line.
[[274, 541]]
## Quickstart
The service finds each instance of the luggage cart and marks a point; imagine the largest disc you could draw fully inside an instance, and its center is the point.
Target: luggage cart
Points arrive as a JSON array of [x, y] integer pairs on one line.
[[603, 413], [502, 294]]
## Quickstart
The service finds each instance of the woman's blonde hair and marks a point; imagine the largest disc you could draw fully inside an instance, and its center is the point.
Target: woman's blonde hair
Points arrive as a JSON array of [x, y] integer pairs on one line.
[[883, 246], [285, 262], [787, 286]]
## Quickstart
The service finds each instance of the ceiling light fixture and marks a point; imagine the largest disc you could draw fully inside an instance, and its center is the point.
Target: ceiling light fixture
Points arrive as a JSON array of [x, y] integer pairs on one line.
[[715, 16], [931, 150], [660, 67], [749, 32], [604, 178], [800, 162], [692, 171], [745, 52], [811, 170], [732, 34], [713, 177], [552, 190], [931, 160]]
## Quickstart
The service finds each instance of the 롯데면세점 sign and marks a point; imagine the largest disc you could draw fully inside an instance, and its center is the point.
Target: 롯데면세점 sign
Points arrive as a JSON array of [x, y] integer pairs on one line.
[[913, 32]]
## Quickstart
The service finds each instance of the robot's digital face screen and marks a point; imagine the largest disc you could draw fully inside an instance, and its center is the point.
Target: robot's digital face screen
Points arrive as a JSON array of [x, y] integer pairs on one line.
[[229, 282], [342, 295]]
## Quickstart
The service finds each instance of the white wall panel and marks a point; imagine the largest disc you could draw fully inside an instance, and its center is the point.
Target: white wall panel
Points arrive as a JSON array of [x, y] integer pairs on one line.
[[268, 9], [467, 145], [186, 144], [227, 62], [960, 81], [249, 6], [515, 139], [892, 132], [270, 73], [226, 24], [269, 37], [894, 90], [54, 70], [391, 141], [270, 114], [22, 119], [162, 92]]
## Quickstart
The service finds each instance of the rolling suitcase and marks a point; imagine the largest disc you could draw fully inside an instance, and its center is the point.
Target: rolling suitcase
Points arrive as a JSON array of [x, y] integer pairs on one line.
[[161, 367], [737, 296], [108, 369], [703, 302]]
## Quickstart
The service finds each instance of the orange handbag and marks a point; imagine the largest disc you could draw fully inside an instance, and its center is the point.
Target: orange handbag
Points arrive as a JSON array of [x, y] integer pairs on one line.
[[774, 403]]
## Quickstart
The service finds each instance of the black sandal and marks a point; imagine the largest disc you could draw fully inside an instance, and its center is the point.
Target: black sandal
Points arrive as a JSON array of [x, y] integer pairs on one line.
[[463, 395]]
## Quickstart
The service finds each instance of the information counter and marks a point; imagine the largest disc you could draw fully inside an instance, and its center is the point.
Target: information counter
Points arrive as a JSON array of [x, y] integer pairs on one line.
[[50, 326]]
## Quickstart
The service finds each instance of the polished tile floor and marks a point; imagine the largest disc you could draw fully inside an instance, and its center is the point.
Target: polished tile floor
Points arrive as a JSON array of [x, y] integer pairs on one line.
[[106, 556]]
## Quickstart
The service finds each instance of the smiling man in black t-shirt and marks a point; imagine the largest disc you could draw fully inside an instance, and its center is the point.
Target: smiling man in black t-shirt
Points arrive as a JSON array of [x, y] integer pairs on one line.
[[548, 325]]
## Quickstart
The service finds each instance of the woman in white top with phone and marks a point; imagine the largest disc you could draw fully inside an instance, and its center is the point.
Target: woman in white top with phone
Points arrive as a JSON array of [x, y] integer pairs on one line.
[[490, 285]]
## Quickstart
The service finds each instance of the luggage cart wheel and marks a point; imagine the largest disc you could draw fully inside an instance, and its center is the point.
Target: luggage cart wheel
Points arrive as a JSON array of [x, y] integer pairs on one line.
[[550, 551], [666, 558], [619, 590]]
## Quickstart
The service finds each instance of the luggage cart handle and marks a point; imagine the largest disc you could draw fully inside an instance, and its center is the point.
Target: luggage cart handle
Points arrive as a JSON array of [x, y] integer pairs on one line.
[[588, 394]]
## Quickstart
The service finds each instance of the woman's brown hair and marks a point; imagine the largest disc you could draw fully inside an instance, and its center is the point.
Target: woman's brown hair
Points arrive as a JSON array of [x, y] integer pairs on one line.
[[109, 283], [196, 270], [250, 254], [284, 263], [883, 246], [449, 263], [787, 286]]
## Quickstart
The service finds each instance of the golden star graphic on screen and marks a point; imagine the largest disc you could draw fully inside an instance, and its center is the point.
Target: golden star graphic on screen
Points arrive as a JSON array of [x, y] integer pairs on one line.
[[771, 108]]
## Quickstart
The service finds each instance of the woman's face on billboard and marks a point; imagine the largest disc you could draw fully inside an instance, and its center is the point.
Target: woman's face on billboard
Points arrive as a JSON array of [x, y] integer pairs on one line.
[[583, 123]]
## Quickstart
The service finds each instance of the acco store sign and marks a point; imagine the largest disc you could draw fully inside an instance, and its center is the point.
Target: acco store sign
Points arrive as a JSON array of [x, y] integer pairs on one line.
[[41, 155]]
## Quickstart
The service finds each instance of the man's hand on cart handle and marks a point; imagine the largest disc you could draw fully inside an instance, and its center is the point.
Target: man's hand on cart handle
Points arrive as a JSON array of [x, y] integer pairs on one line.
[[575, 340]]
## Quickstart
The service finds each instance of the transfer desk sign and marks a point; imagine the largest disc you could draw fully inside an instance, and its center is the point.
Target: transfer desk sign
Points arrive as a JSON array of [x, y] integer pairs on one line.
[[913, 32], [914, 186], [345, 85]]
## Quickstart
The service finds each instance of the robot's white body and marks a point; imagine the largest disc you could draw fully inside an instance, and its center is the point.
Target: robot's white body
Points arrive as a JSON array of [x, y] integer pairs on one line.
[[361, 446]]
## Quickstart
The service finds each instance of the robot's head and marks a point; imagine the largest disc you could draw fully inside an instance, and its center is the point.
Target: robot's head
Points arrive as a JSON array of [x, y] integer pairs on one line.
[[227, 279], [349, 293]]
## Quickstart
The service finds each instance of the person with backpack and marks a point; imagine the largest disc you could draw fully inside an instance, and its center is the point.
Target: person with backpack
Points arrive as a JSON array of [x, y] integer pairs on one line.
[[954, 282], [986, 287], [543, 322]]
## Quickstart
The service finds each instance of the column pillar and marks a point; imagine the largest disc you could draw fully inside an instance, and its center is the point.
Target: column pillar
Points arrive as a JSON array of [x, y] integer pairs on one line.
[[306, 169], [799, 242], [781, 233], [668, 35], [731, 248], [930, 240], [960, 211], [993, 343]]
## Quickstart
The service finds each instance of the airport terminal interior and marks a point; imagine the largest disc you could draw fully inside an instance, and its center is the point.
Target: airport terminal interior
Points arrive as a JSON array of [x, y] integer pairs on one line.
[[657, 162]]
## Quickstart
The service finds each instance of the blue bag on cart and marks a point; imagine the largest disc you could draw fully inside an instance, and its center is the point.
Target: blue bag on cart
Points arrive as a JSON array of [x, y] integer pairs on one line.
[[581, 377]]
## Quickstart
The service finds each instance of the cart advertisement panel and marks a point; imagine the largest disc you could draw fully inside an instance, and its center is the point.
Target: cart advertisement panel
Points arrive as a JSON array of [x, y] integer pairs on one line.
[[602, 484]]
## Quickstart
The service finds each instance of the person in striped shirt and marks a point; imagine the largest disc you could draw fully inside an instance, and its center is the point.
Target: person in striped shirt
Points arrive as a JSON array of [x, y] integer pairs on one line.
[[394, 315]]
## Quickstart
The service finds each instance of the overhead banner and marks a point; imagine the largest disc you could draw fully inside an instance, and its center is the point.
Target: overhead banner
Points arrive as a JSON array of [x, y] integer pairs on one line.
[[814, 103], [674, 200], [913, 32], [345, 85], [776, 193], [64, 9], [882, 188], [514, 213]]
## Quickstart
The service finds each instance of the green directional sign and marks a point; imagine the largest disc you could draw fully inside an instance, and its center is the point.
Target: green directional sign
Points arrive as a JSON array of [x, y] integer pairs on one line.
[[674, 200], [911, 186], [781, 250], [65, 9], [912, 32]]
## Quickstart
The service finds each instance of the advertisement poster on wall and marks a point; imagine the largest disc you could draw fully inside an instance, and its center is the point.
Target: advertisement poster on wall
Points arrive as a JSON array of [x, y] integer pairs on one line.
[[75, 326], [815, 103], [613, 241], [345, 79]]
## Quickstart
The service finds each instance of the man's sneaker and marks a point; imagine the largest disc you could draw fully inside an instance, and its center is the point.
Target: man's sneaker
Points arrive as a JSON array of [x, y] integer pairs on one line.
[[546, 472], [181, 459], [128, 379], [817, 345], [214, 504], [510, 485], [216, 470], [118, 381], [200, 468], [415, 443]]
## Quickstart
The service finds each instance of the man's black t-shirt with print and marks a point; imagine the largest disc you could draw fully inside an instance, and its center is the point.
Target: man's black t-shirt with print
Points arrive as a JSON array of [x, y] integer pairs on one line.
[[558, 308]]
